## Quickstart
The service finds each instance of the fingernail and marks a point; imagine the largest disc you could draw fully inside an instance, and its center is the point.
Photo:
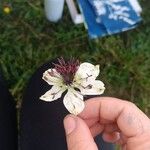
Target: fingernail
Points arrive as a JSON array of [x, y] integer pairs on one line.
[[69, 124]]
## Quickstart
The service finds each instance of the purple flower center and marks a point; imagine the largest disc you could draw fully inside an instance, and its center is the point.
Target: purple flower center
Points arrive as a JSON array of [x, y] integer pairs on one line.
[[67, 69]]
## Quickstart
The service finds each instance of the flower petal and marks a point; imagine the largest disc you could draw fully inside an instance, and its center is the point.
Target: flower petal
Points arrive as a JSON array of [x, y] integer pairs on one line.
[[87, 71], [52, 77], [92, 88], [73, 102], [53, 94]]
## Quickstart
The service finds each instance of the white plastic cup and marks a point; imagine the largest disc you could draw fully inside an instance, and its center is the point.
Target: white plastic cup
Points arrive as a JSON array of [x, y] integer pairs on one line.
[[54, 9]]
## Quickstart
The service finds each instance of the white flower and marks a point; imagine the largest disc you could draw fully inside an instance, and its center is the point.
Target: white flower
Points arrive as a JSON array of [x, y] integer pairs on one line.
[[77, 80]]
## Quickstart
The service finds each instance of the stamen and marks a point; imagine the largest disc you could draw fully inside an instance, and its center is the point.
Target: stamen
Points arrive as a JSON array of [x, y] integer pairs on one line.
[[67, 69]]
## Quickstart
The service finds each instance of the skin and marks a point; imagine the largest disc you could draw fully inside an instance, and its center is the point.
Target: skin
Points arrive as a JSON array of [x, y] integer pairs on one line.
[[119, 121]]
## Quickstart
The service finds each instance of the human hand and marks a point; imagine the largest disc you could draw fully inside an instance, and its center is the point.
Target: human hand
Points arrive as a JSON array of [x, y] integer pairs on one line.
[[119, 122]]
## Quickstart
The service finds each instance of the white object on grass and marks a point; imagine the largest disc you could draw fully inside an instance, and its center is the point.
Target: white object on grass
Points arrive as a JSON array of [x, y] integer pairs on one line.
[[54, 9], [77, 18]]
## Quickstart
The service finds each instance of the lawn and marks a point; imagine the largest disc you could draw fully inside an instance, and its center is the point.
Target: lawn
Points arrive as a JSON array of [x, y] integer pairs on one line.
[[27, 40]]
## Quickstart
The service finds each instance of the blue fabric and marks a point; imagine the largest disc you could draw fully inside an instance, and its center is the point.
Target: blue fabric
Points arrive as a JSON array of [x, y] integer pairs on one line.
[[106, 17], [94, 29]]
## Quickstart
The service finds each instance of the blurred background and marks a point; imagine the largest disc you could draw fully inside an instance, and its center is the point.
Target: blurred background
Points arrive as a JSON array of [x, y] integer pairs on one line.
[[27, 40]]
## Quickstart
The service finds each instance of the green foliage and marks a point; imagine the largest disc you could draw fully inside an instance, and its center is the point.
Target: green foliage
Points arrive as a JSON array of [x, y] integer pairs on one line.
[[27, 40]]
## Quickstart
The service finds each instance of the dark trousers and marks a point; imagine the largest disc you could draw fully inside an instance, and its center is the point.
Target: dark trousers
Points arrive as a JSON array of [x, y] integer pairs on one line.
[[41, 123], [8, 121]]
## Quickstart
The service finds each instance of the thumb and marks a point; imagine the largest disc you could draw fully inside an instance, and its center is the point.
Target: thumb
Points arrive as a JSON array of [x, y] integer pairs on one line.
[[78, 135]]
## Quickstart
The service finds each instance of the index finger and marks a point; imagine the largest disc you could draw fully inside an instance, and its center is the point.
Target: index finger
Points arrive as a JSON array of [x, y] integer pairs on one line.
[[130, 120]]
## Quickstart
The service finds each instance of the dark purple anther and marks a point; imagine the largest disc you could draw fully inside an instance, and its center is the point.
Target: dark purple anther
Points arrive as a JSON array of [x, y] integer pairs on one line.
[[67, 69]]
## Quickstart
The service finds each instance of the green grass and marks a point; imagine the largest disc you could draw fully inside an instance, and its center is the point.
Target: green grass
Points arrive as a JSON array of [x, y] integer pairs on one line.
[[27, 40]]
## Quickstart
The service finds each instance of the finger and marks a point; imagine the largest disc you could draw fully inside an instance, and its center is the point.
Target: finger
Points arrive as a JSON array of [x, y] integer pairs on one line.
[[122, 141], [109, 128], [111, 137], [92, 121], [96, 129], [130, 120], [78, 135]]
